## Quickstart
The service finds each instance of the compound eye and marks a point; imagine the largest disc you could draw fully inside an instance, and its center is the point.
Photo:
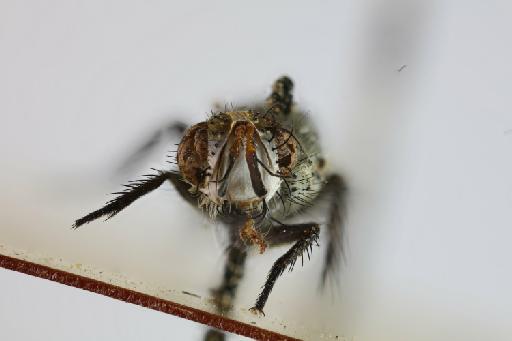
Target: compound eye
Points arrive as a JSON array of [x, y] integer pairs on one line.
[[287, 151], [265, 122], [193, 154]]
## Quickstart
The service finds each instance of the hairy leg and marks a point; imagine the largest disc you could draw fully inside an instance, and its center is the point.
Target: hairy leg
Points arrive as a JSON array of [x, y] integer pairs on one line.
[[305, 236], [134, 190]]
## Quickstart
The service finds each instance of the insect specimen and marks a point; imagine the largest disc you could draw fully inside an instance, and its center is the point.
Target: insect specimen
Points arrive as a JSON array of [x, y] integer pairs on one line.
[[252, 169]]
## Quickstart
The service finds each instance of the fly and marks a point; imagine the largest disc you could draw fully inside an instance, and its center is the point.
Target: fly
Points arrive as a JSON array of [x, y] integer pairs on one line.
[[252, 170]]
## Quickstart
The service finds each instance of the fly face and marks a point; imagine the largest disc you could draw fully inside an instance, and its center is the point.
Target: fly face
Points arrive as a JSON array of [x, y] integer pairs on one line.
[[237, 157], [269, 162]]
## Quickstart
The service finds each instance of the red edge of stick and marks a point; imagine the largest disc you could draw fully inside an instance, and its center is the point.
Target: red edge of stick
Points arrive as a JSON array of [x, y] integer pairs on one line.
[[144, 300]]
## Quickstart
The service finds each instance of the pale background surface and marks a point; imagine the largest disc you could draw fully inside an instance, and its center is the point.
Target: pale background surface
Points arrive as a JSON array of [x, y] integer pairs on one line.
[[426, 152]]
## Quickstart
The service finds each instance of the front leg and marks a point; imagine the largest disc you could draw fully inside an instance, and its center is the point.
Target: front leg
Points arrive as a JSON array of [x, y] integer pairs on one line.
[[306, 235], [134, 190]]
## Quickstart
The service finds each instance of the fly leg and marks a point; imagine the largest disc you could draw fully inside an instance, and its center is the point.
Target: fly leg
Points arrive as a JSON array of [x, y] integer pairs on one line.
[[280, 100], [225, 293], [335, 193], [172, 129], [135, 190], [336, 190], [233, 273], [183, 188], [304, 235]]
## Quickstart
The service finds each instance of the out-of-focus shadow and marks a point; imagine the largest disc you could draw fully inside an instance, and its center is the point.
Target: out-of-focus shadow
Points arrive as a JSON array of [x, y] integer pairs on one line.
[[391, 39]]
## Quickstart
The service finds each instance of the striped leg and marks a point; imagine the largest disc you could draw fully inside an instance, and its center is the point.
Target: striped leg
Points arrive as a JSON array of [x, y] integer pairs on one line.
[[225, 293]]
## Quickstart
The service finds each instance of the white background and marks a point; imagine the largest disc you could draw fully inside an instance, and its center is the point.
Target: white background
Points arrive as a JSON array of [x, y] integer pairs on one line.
[[426, 152]]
